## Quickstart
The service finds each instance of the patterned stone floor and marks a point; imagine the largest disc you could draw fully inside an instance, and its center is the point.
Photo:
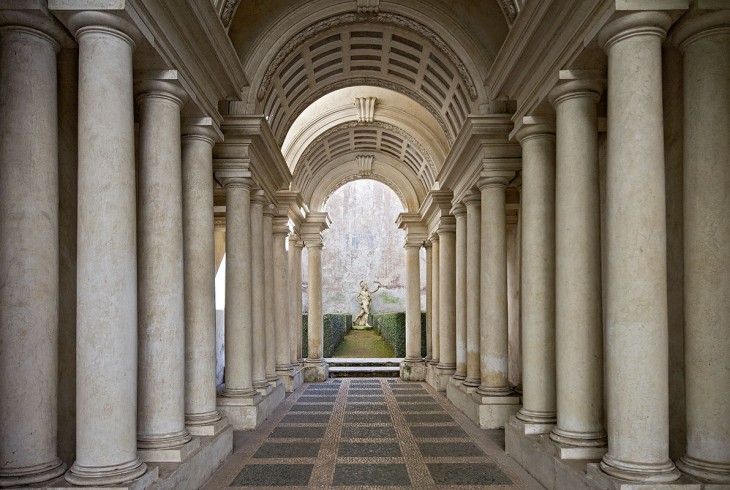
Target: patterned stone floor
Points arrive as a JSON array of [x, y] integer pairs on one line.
[[369, 433]]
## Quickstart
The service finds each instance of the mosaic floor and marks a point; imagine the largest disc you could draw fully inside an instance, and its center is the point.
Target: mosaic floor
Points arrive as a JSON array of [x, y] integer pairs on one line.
[[369, 433]]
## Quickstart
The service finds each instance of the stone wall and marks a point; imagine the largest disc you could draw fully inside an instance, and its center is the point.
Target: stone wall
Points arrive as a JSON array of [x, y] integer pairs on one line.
[[363, 243]]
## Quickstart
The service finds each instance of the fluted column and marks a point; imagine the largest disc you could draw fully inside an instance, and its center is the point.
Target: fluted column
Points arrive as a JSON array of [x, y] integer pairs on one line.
[[579, 326], [459, 212], [161, 314], [239, 334], [435, 315], [493, 306], [315, 368], [705, 41], [294, 253], [473, 200], [298, 293], [636, 298], [201, 414], [537, 271], [106, 315], [258, 301], [447, 298], [281, 298], [269, 313], [28, 256], [429, 299]]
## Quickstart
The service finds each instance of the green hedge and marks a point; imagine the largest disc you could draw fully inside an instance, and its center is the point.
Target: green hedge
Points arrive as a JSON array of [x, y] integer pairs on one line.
[[392, 327], [334, 326]]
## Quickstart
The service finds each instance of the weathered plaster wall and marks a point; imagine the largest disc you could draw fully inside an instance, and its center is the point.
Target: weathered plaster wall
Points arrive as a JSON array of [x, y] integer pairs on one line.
[[363, 243]]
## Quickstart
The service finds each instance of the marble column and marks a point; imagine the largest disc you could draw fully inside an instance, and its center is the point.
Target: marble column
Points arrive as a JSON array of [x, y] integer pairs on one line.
[[161, 307], [315, 369], [106, 321], [29, 295], [281, 299], [578, 321], [435, 315], [298, 292], [493, 305], [258, 300], [239, 388], [459, 212], [473, 200], [537, 274], [269, 313], [447, 299], [201, 415], [705, 41], [429, 300], [294, 289], [413, 306], [635, 312]]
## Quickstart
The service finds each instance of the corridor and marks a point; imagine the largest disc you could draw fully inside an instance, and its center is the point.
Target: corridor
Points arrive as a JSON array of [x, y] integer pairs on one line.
[[372, 433]]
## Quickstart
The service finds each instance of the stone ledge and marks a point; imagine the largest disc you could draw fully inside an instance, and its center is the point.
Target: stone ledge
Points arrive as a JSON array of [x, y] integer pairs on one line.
[[141, 483], [488, 412]]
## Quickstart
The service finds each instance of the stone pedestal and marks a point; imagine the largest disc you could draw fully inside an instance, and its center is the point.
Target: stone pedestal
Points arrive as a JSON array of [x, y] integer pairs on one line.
[[315, 371], [413, 370], [249, 414]]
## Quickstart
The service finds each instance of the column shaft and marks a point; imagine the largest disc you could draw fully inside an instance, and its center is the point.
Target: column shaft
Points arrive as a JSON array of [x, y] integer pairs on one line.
[[413, 304], [258, 310], [199, 277], [281, 296], [293, 323], [429, 300], [473, 279], [28, 257], [537, 308], [298, 292], [705, 41], [269, 315], [161, 315], [579, 326], [106, 315], [435, 315], [460, 291], [447, 296], [239, 335], [314, 325], [493, 306], [636, 297]]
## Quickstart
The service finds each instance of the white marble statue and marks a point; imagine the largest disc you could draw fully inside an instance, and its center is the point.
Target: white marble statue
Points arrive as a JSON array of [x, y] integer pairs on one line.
[[363, 297]]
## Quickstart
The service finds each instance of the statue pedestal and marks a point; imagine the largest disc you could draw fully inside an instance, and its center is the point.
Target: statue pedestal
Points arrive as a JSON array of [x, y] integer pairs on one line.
[[362, 327]]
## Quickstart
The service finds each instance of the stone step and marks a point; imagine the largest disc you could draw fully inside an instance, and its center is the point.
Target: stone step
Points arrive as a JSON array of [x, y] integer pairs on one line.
[[364, 371], [364, 361]]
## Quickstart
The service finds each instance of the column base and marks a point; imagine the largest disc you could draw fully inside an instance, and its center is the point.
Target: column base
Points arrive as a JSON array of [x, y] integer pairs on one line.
[[209, 429], [15, 477], [488, 412], [169, 455], [292, 378], [537, 454], [443, 375], [596, 473], [413, 370], [534, 422], [249, 414], [713, 475], [639, 472], [134, 475], [579, 445], [315, 371]]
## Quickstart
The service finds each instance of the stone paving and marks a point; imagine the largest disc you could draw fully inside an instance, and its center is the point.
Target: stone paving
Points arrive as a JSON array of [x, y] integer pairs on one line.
[[369, 433]]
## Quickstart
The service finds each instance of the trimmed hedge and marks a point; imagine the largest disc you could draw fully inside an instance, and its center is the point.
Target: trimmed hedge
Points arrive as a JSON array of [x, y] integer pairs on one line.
[[392, 327], [334, 327]]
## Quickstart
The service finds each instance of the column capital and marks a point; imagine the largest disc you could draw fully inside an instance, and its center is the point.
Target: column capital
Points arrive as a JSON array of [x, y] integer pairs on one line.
[[458, 210], [312, 228], [203, 128], [589, 87], [36, 21], [427, 244], [650, 23], [447, 224], [219, 223], [694, 26], [536, 127], [258, 198], [280, 226], [472, 198], [111, 22], [498, 172], [164, 84], [269, 210], [413, 226], [235, 178]]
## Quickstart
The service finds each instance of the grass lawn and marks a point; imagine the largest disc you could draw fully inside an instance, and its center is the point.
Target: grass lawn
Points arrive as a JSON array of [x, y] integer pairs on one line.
[[363, 343]]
